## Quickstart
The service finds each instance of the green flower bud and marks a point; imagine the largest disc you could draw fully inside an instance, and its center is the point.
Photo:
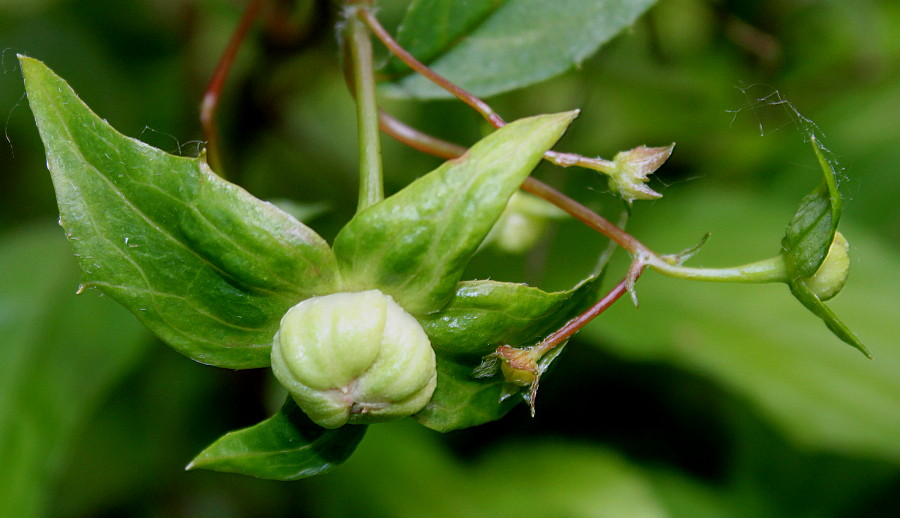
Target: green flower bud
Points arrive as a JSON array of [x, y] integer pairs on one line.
[[632, 170], [522, 223], [831, 276], [354, 358]]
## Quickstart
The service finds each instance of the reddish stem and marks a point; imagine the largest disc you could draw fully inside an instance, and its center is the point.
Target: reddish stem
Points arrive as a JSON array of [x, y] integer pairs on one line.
[[416, 139], [483, 108], [441, 148], [463, 95], [575, 324], [217, 81]]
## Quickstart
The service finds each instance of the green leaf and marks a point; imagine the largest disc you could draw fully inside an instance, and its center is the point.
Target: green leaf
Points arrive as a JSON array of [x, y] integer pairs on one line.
[[431, 27], [521, 43], [461, 401], [201, 262], [812, 228], [813, 303], [415, 244], [287, 446], [60, 354], [486, 314], [510, 478]]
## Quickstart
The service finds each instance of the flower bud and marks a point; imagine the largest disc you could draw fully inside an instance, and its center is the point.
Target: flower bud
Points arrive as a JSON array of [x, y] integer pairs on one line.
[[354, 358], [831, 276], [632, 170], [522, 223]]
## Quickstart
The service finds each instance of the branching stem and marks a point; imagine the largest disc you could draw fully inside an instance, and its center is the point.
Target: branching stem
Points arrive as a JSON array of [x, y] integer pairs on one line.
[[771, 270]]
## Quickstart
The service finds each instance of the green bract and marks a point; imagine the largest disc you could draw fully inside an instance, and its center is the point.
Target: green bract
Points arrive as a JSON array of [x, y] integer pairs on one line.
[[212, 270], [811, 236]]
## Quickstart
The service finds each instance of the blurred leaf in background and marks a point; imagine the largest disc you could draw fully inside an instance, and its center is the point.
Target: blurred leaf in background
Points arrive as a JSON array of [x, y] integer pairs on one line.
[[708, 400], [60, 355]]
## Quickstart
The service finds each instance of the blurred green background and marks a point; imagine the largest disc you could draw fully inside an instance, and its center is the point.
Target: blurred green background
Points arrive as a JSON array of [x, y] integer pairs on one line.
[[707, 401]]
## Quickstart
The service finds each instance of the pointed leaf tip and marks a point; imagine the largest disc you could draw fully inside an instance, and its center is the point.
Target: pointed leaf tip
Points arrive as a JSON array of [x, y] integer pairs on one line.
[[415, 244], [815, 305], [287, 446]]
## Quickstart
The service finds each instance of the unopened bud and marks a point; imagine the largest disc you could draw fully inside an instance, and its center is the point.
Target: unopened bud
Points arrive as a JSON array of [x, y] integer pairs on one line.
[[831, 276], [632, 170], [354, 358], [522, 223]]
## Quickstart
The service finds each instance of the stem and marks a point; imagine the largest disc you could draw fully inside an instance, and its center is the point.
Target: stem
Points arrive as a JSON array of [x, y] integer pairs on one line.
[[575, 324], [371, 183], [217, 81], [587, 216], [768, 270], [382, 34], [418, 140], [483, 108], [435, 146], [771, 270]]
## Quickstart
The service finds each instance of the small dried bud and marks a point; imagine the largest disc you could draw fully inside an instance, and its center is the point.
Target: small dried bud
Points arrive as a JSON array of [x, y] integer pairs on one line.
[[831, 276], [354, 358], [519, 366], [632, 170]]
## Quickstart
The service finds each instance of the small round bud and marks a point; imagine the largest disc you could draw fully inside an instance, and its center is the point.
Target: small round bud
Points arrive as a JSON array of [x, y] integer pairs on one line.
[[830, 278], [354, 358], [522, 223]]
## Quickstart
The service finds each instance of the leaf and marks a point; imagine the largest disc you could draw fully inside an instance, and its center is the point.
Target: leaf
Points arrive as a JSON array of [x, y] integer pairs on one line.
[[813, 303], [59, 356], [486, 314], [461, 401], [508, 478], [287, 446], [756, 343], [431, 27], [521, 43], [415, 244], [812, 228], [202, 263]]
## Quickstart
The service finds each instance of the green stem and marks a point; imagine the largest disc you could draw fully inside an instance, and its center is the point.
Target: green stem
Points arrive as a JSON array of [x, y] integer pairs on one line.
[[371, 184], [768, 270]]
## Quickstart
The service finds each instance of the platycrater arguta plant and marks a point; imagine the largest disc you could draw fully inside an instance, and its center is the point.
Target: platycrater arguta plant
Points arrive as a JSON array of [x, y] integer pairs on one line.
[[379, 325]]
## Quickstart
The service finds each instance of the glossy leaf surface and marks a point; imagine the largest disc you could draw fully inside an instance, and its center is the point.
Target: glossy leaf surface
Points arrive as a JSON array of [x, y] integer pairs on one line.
[[415, 244], [461, 400], [287, 446], [201, 262], [521, 43], [486, 314]]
